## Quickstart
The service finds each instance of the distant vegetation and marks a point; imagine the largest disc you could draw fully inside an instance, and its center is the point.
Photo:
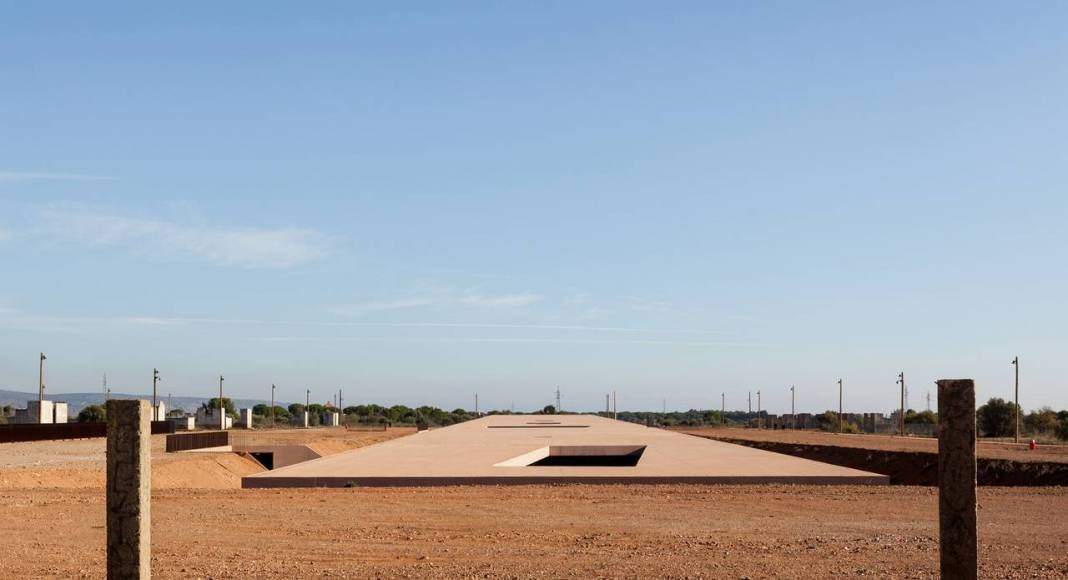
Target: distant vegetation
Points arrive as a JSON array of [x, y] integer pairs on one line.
[[431, 416], [93, 414], [370, 414], [691, 418], [228, 404], [997, 418]]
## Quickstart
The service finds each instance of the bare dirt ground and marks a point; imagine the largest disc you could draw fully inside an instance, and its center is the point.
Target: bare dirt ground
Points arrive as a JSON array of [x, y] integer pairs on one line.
[[539, 531], [54, 527], [80, 463], [985, 449]]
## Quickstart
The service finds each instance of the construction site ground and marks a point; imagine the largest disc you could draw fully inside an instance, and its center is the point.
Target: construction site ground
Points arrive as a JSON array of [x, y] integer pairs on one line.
[[204, 526]]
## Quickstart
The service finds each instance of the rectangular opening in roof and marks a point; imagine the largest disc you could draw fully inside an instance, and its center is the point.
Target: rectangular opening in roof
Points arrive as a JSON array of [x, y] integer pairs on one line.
[[591, 456], [537, 426]]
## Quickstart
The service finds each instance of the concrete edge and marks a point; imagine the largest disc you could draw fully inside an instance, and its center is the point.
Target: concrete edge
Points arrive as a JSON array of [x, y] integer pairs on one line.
[[298, 482]]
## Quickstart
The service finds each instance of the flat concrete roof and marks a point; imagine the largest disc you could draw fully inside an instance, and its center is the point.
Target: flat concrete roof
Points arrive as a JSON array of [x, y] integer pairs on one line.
[[498, 449]]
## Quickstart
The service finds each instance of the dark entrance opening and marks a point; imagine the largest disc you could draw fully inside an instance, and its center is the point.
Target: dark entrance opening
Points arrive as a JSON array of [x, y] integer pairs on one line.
[[592, 456], [265, 458]]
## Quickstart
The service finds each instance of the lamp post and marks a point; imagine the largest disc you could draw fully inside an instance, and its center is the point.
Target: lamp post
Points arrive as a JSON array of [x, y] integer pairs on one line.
[[760, 420], [1016, 365], [723, 408], [222, 409], [272, 404], [901, 419], [793, 414], [40, 384], [155, 406], [839, 405]]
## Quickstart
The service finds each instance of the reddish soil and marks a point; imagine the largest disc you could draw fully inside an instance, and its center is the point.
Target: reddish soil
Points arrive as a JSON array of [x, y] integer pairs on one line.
[[80, 463], [907, 461], [984, 449], [539, 531], [55, 528]]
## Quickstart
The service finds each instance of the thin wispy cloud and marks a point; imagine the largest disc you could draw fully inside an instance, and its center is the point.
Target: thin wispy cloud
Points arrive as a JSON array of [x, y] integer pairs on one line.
[[443, 297], [381, 306], [160, 321], [505, 340], [238, 247], [25, 176], [642, 304], [524, 299]]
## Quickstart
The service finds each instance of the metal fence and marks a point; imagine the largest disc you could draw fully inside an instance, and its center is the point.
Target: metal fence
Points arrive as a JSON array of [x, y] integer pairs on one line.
[[189, 441], [52, 431]]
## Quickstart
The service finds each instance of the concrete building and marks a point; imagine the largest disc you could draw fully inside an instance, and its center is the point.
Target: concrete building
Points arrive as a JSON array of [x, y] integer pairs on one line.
[[872, 422], [331, 419], [59, 412], [185, 423], [41, 413], [213, 419], [525, 449]]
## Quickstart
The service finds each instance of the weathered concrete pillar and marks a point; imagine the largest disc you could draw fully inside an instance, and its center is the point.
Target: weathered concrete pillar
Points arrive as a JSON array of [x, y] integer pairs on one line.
[[305, 419], [129, 489], [957, 534]]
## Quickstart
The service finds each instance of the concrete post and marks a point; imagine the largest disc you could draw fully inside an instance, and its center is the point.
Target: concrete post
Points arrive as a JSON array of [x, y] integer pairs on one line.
[[957, 535], [305, 419], [129, 490]]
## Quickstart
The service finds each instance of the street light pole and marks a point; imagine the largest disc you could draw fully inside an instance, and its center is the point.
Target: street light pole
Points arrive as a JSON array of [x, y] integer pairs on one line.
[[760, 420], [901, 419], [793, 414], [40, 385], [155, 406], [723, 408], [272, 404], [1016, 364], [222, 411], [839, 405], [749, 415]]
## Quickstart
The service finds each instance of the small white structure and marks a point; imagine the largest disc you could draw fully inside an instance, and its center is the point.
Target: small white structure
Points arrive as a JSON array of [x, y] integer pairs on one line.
[[331, 419], [245, 418], [59, 412], [305, 419], [214, 419], [36, 412], [186, 423], [160, 412]]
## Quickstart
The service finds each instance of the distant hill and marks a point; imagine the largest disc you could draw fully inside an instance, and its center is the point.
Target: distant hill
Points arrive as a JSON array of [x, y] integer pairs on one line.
[[79, 401]]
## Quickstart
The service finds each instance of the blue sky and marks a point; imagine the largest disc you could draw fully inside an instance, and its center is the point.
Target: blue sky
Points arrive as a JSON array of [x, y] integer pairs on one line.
[[416, 203]]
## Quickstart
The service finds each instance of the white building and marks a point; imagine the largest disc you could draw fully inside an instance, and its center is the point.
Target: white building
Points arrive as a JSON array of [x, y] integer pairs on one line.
[[245, 418], [41, 413], [212, 419]]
